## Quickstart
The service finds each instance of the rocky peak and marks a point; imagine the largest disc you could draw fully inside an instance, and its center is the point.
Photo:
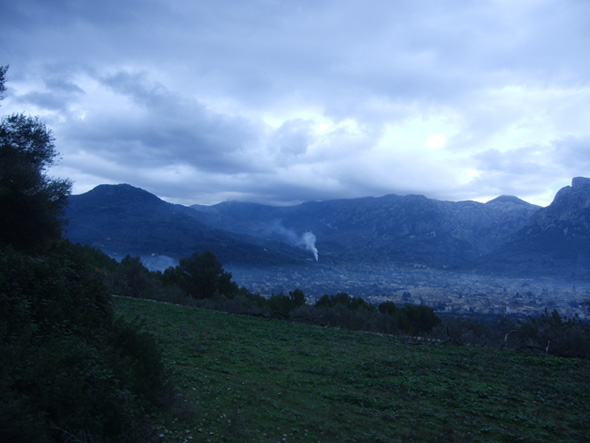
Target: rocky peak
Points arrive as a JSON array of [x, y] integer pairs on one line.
[[571, 199], [569, 213], [581, 182]]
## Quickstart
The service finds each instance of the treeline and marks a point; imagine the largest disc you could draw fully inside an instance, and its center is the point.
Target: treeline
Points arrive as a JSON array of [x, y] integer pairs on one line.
[[548, 333], [201, 281]]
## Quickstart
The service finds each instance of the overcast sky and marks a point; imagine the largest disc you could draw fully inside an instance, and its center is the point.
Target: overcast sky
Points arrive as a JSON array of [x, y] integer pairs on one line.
[[283, 101]]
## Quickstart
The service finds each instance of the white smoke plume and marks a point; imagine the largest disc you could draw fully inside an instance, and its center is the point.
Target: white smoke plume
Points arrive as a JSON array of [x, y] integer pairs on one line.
[[309, 240], [306, 241]]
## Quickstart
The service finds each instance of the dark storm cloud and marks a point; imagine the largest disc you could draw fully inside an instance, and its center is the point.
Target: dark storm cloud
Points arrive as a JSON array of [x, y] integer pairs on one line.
[[154, 127]]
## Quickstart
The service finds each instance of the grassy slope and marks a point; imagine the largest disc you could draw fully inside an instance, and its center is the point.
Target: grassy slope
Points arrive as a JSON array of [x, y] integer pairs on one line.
[[251, 379]]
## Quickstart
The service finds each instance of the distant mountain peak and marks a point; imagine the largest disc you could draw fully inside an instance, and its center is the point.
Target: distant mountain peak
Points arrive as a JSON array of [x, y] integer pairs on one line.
[[115, 188], [123, 194], [509, 199]]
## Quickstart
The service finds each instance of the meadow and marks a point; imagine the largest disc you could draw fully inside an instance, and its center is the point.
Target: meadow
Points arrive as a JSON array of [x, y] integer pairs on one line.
[[248, 379]]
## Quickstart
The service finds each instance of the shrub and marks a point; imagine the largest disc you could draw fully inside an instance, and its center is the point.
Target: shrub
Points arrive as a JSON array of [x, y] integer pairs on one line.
[[555, 334], [69, 371], [420, 319]]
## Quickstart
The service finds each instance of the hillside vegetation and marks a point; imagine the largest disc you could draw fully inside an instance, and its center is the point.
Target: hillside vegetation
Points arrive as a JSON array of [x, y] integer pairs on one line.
[[242, 378], [70, 371]]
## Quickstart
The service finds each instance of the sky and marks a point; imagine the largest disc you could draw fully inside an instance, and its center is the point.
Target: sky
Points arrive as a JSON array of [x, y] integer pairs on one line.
[[284, 101]]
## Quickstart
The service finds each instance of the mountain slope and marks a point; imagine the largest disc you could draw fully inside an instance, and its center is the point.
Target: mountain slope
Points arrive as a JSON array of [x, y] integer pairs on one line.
[[556, 241], [402, 229], [506, 235], [121, 219]]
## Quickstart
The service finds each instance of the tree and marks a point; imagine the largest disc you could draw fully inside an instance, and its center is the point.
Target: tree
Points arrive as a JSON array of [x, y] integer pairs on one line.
[[202, 276], [69, 370], [132, 279], [325, 301], [388, 308], [31, 203], [280, 303], [297, 298], [420, 319], [342, 299]]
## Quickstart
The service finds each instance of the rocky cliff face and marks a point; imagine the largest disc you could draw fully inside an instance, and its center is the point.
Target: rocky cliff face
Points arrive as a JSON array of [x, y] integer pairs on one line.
[[568, 214], [556, 241]]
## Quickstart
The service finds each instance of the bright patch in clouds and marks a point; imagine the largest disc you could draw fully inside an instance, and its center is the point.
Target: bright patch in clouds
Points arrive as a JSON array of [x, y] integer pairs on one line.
[[282, 102], [436, 141]]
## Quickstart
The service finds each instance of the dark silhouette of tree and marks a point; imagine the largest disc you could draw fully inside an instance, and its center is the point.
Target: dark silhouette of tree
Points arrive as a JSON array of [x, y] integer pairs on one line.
[[297, 298], [132, 279], [280, 303], [69, 367], [31, 202], [70, 371], [344, 300], [388, 308], [420, 318], [203, 276]]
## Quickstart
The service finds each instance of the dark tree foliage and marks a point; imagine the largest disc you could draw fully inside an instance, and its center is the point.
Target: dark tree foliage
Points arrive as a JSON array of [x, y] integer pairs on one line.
[[280, 304], [69, 370], [420, 319], [132, 279], [343, 299], [411, 319], [31, 204], [297, 298], [554, 334], [202, 276], [548, 333], [388, 308], [283, 304]]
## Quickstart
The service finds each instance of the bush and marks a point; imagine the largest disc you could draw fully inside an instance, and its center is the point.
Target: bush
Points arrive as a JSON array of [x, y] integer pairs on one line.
[[280, 304], [556, 335], [417, 319], [32, 203], [345, 300], [69, 371]]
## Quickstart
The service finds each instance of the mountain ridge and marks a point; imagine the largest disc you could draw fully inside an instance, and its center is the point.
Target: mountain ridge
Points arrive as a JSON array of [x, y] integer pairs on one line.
[[122, 219], [505, 235]]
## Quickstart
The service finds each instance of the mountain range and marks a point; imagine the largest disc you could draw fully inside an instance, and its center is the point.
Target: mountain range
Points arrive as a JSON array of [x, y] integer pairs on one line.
[[505, 236]]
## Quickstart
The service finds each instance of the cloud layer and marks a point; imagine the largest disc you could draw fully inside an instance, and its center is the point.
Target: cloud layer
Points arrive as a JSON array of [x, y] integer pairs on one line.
[[282, 102]]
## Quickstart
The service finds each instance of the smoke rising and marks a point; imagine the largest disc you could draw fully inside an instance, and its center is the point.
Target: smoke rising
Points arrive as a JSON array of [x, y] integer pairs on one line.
[[306, 241], [309, 240]]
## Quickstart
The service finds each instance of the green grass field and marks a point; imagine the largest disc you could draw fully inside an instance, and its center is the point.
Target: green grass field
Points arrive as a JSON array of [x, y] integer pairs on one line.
[[250, 379]]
